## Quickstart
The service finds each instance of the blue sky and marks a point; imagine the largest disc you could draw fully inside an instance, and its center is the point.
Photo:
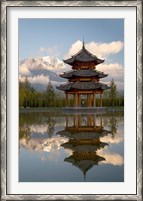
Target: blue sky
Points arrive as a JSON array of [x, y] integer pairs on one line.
[[62, 33], [60, 37]]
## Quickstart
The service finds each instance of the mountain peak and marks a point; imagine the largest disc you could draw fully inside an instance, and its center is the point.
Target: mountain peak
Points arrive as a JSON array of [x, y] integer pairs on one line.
[[41, 70]]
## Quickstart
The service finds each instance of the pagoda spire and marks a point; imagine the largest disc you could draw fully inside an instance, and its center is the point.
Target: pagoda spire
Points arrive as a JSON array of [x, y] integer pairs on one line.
[[83, 44], [84, 175]]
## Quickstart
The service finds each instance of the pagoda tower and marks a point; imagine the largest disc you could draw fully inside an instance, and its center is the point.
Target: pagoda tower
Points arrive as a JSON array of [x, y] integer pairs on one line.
[[83, 79]]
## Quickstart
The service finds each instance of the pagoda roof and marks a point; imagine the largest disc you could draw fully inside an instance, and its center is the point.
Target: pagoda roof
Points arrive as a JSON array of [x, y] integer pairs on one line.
[[84, 147], [86, 163], [83, 56], [83, 73], [83, 86], [83, 134]]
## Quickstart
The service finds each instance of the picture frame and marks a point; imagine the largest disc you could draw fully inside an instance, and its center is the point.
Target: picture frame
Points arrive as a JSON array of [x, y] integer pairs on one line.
[[5, 97]]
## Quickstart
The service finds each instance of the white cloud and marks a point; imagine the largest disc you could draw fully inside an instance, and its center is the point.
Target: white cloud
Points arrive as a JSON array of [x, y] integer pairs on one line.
[[116, 140], [39, 79], [74, 49], [115, 71], [22, 78], [43, 49], [51, 51], [23, 70], [101, 50], [112, 158], [104, 49]]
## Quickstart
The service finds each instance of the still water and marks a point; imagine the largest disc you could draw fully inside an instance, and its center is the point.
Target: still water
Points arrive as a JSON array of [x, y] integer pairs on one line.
[[63, 147]]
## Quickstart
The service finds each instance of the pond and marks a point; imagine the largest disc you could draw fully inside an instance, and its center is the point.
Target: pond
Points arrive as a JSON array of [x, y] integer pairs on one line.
[[60, 146]]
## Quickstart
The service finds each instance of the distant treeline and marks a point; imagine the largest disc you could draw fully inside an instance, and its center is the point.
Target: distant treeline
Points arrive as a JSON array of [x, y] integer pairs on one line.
[[29, 97]]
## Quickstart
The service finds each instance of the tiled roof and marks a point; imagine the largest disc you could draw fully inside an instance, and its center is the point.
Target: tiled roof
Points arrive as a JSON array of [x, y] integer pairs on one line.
[[84, 134], [84, 164], [83, 86], [84, 73], [84, 147], [83, 56]]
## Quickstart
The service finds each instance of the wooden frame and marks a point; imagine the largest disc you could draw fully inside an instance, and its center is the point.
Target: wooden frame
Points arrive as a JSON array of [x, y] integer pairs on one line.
[[5, 119]]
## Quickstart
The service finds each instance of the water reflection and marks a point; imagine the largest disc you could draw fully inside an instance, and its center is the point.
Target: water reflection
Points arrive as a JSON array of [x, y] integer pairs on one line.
[[84, 140], [54, 144]]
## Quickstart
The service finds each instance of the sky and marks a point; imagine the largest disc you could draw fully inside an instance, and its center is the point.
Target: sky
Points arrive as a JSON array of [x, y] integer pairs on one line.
[[62, 38]]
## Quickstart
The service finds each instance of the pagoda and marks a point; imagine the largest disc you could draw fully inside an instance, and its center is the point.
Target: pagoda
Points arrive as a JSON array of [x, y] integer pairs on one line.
[[83, 79]]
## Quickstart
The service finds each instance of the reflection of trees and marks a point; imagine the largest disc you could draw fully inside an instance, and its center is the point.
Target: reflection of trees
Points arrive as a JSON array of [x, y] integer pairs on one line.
[[112, 120], [113, 125], [24, 133], [50, 129], [29, 118]]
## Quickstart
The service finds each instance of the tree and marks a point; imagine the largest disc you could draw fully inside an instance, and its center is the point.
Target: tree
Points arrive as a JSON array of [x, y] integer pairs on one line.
[[26, 94], [50, 95], [113, 93]]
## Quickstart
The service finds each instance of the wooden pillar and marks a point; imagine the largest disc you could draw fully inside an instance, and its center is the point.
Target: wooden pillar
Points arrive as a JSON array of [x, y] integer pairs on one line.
[[100, 99], [89, 120], [76, 120], [67, 101], [89, 100], [94, 100], [101, 120], [76, 97], [67, 121], [94, 120], [75, 100], [79, 100], [79, 120]]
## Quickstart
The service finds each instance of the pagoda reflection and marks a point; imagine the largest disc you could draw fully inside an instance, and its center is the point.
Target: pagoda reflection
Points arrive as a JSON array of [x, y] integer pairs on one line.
[[84, 132]]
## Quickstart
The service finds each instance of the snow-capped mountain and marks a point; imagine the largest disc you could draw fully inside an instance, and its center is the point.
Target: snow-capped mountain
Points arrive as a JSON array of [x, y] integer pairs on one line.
[[47, 63], [41, 70]]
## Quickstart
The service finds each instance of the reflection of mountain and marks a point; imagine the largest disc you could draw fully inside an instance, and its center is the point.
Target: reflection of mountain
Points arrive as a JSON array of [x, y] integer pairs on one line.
[[84, 141], [84, 137], [39, 137], [42, 144]]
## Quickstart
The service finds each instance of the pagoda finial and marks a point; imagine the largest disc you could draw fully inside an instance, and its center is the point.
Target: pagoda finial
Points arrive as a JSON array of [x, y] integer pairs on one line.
[[83, 43], [84, 175]]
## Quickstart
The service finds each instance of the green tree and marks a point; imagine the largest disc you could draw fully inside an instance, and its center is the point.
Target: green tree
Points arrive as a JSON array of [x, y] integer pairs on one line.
[[50, 95], [26, 94], [113, 93]]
